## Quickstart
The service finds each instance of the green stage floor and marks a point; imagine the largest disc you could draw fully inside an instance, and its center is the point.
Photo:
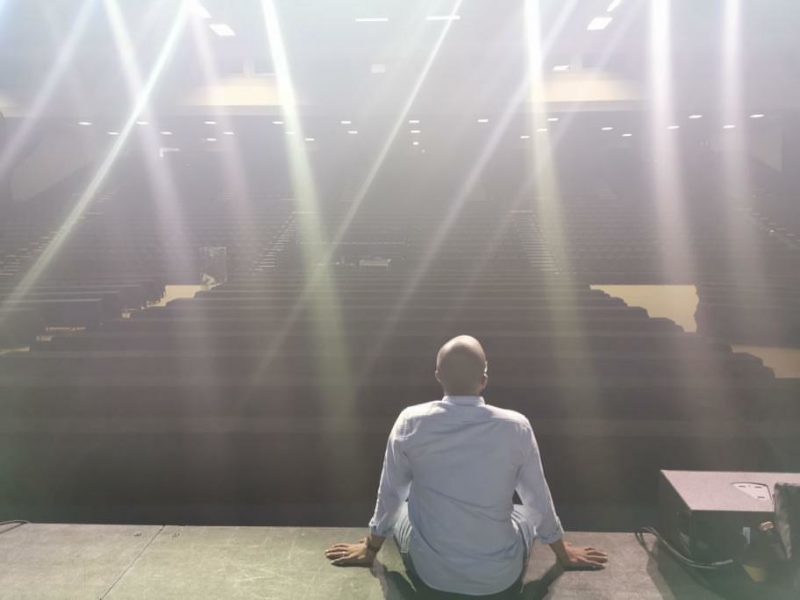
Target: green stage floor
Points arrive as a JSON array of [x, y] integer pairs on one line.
[[59, 561]]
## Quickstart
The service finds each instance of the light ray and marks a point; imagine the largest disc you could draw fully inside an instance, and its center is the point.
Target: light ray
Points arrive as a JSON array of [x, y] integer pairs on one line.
[[100, 175], [60, 68]]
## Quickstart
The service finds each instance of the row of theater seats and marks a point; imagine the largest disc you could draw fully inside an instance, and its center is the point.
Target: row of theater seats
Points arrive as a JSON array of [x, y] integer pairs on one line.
[[269, 400], [756, 314], [28, 311]]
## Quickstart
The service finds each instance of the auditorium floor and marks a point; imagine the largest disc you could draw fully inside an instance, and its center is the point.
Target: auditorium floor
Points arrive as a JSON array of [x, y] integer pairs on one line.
[[170, 562]]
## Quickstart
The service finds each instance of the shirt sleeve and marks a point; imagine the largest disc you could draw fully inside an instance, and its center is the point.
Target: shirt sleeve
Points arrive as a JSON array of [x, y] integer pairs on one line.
[[394, 485], [534, 492]]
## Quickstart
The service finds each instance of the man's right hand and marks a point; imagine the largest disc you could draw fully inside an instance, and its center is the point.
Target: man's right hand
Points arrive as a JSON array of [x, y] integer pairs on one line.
[[583, 558], [573, 558]]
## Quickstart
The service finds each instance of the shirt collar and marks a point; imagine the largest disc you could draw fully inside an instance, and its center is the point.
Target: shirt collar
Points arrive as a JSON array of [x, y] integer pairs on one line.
[[464, 400]]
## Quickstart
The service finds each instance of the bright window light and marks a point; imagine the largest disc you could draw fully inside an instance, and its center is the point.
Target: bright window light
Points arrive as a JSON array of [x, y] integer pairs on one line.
[[222, 29], [84, 123], [372, 19], [757, 116], [599, 23], [166, 133], [614, 5], [606, 128], [112, 132], [695, 116], [443, 18], [483, 120], [209, 122], [352, 131], [560, 68]]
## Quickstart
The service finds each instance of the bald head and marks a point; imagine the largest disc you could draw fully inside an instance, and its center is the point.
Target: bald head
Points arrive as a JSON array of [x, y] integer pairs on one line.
[[461, 366]]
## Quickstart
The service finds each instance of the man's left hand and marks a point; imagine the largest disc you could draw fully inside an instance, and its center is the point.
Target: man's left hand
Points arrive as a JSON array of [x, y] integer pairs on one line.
[[350, 555]]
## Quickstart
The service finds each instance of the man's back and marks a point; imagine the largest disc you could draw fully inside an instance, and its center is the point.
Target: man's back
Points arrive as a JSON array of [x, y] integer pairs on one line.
[[465, 458]]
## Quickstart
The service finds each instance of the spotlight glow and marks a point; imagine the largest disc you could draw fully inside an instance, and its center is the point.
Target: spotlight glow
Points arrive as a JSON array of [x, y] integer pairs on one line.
[[560, 68], [695, 116], [483, 120], [211, 139], [553, 119], [222, 29], [729, 126], [415, 131], [112, 132], [228, 133], [84, 123], [606, 128], [165, 132], [413, 121], [209, 122], [599, 23], [346, 122], [524, 137], [277, 122], [627, 135], [352, 131], [757, 116], [674, 127]]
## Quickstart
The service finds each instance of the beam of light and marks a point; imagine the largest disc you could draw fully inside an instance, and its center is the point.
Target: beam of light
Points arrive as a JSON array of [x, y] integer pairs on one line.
[[319, 271], [99, 177], [60, 68], [666, 175], [170, 219], [743, 249], [457, 204], [237, 185], [326, 312]]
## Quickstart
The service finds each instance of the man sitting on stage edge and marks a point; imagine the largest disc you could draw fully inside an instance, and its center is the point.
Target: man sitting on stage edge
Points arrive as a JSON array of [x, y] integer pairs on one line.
[[458, 461]]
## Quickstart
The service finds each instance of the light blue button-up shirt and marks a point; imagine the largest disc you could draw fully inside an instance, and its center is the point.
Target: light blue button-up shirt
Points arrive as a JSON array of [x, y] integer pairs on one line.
[[458, 461]]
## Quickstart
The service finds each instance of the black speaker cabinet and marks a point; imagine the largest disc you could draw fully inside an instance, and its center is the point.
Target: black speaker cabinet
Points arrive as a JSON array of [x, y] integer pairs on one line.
[[710, 516]]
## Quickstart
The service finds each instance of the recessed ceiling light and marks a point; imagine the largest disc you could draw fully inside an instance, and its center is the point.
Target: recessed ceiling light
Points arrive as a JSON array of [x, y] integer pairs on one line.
[[346, 122], [227, 133], [166, 133], [415, 143], [209, 122], [142, 122], [674, 127], [352, 131], [211, 139], [84, 123], [222, 29], [277, 122], [729, 126], [542, 129], [606, 128], [413, 121], [443, 18], [415, 131], [599, 23], [560, 68], [112, 132], [372, 19], [627, 135], [310, 139], [695, 116], [552, 119], [613, 6], [757, 116], [524, 137], [483, 120]]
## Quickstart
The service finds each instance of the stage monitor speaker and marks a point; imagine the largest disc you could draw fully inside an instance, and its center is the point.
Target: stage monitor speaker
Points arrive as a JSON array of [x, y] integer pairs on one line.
[[711, 516]]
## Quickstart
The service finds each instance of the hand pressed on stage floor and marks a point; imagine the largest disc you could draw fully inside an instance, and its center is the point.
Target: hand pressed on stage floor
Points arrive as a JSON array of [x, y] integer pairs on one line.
[[574, 558], [360, 554]]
